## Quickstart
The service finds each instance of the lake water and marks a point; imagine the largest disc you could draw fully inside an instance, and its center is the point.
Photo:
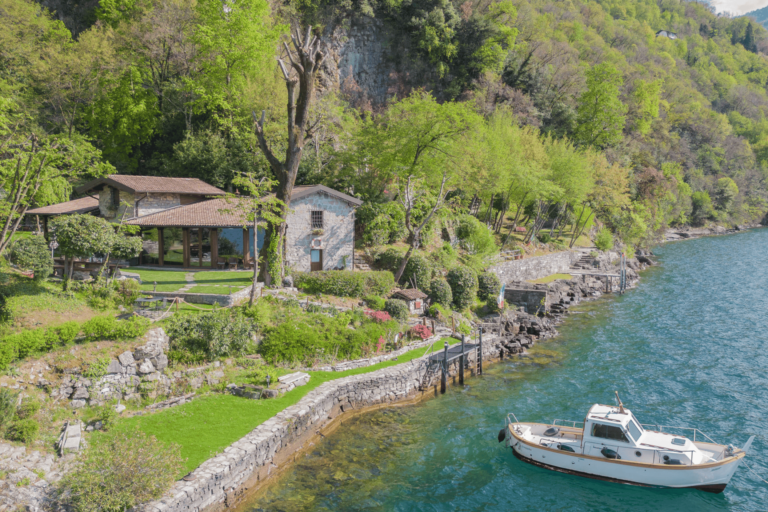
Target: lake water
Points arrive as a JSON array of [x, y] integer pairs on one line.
[[687, 347]]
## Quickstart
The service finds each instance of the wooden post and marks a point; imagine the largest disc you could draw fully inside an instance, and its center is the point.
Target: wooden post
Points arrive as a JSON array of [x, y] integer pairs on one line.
[[444, 376], [186, 252], [161, 248], [461, 362], [480, 352], [214, 237]]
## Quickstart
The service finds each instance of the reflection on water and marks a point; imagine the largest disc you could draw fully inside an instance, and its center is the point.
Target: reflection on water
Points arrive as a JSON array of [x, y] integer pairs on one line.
[[686, 348]]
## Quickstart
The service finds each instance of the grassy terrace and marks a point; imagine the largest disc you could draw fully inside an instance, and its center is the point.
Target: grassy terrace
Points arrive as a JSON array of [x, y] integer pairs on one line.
[[205, 282], [549, 279], [207, 425]]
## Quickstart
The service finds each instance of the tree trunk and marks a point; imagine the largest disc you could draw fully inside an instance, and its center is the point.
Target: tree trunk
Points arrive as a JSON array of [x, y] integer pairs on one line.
[[255, 261]]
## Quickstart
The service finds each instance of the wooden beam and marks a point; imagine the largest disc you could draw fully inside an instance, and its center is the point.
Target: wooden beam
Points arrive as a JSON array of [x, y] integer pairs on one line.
[[214, 247], [185, 242], [246, 246], [160, 246]]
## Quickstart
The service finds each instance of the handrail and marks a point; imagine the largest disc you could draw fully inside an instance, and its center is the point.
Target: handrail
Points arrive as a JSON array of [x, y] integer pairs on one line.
[[695, 430], [509, 422], [573, 423]]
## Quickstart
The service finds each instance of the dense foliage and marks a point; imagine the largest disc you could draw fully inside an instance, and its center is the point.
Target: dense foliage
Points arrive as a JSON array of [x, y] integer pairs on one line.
[[397, 308], [463, 282], [215, 334], [32, 253], [489, 286], [344, 283], [440, 292]]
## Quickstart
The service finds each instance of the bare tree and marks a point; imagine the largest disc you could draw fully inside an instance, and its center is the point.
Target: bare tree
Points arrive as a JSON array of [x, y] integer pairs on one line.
[[305, 59]]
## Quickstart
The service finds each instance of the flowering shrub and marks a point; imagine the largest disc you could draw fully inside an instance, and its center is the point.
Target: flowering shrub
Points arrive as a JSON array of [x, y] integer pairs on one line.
[[378, 316], [421, 331], [381, 344]]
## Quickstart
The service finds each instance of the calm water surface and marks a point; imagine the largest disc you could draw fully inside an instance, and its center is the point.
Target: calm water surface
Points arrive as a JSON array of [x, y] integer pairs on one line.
[[687, 347]]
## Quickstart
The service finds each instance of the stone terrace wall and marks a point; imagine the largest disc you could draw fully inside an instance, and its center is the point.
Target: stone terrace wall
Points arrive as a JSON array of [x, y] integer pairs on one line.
[[535, 267], [219, 480]]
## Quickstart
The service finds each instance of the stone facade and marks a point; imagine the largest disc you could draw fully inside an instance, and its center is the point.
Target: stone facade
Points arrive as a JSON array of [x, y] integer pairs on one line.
[[338, 238], [154, 203], [147, 203], [107, 209], [536, 267]]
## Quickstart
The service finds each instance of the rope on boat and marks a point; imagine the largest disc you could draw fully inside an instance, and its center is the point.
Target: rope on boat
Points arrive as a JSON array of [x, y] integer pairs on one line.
[[753, 472]]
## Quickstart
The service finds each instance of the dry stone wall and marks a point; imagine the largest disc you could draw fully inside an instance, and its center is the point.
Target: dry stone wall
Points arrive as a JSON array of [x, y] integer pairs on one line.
[[536, 267]]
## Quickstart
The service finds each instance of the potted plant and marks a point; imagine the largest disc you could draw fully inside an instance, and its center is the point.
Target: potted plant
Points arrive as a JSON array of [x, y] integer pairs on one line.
[[317, 231]]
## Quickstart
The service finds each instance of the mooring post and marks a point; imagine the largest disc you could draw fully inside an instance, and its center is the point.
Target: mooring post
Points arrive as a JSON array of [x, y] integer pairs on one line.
[[444, 376], [461, 362], [480, 351]]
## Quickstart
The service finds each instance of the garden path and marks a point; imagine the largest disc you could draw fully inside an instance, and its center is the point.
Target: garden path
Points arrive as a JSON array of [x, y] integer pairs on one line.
[[189, 277]]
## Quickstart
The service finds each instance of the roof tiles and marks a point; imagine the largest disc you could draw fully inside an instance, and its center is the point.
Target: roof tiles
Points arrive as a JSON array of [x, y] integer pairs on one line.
[[82, 205], [154, 184]]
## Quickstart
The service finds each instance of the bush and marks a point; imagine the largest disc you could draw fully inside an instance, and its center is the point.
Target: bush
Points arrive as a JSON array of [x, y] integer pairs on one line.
[[492, 305], [421, 331], [440, 292], [5, 309], [23, 430], [345, 283], [382, 223], [110, 328], [67, 332], [374, 302], [604, 239], [120, 470], [463, 283], [438, 311], [418, 270], [27, 409], [7, 406], [32, 254], [378, 316], [397, 308], [389, 259], [215, 334], [489, 286], [27, 342], [475, 237], [544, 238]]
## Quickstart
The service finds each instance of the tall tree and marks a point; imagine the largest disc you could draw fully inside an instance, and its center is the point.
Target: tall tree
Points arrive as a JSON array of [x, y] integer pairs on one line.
[[305, 58], [601, 114]]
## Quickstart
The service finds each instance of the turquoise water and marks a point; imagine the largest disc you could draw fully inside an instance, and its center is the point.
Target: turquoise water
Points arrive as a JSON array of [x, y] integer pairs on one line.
[[687, 347]]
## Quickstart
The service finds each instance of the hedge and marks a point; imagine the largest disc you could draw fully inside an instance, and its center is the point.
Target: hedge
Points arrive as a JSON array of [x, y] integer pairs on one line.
[[345, 283], [440, 293], [20, 345], [418, 270], [397, 308], [489, 286], [463, 282]]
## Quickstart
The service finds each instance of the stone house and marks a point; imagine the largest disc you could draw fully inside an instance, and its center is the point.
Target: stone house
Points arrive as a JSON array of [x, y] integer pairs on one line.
[[415, 299], [186, 223], [667, 34]]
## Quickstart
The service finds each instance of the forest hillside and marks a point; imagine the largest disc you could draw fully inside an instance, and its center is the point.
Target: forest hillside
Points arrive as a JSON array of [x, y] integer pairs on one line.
[[549, 109]]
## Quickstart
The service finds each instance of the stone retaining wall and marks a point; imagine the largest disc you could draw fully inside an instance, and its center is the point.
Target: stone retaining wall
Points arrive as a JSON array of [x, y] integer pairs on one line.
[[531, 300], [220, 480], [208, 298], [535, 267]]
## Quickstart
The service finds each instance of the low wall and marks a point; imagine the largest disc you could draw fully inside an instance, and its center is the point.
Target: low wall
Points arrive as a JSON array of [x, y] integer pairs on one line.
[[535, 267], [224, 478], [531, 300], [208, 298]]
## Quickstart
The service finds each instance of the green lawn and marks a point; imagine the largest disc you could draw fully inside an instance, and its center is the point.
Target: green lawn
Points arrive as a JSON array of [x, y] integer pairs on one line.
[[218, 290], [167, 281], [207, 425], [549, 279], [224, 277]]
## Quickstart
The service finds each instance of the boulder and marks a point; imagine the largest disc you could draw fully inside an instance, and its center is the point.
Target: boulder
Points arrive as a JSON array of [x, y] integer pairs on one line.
[[146, 367], [126, 358], [80, 394], [270, 393], [288, 281], [78, 404], [160, 362], [114, 367], [196, 382], [81, 276]]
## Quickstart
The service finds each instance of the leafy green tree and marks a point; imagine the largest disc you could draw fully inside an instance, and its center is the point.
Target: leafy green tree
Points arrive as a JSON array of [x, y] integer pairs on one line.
[[211, 157], [601, 114], [32, 253], [645, 104], [82, 236], [727, 190], [702, 207]]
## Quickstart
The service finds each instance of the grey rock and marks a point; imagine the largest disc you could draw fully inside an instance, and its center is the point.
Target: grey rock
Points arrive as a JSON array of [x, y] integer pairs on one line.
[[146, 367], [114, 367], [78, 404], [119, 408], [270, 393], [288, 281], [160, 362], [196, 382], [126, 358], [80, 394]]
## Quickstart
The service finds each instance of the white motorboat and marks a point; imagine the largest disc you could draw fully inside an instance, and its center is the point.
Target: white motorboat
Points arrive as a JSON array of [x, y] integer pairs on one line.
[[612, 445]]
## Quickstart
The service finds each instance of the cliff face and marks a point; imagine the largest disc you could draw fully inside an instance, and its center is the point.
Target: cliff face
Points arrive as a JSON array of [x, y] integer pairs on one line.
[[77, 15], [369, 61]]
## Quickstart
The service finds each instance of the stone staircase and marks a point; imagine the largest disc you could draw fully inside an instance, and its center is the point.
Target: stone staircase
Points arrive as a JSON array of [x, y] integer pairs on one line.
[[361, 264], [586, 262]]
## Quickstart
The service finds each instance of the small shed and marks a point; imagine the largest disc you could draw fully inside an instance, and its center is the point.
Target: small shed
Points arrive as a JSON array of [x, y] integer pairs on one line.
[[414, 299]]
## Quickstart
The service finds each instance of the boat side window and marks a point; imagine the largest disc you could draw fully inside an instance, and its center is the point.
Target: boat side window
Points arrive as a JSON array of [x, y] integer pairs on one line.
[[634, 430], [609, 432]]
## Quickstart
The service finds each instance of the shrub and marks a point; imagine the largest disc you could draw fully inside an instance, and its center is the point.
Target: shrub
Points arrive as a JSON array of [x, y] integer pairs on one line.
[[27, 342], [120, 470], [25, 430], [5, 309], [345, 283], [129, 290], [438, 311], [604, 239], [463, 283], [544, 238], [492, 305], [378, 316], [67, 332], [110, 328], [32, 253], [421, 331], [440, 292], [381, 223], [374, 302], [418, 270], [445, 257], [27, 409], [7, 406], [389, 259], [9, 352], [475, 237], [397, 308], [215, 334], [489, 286]]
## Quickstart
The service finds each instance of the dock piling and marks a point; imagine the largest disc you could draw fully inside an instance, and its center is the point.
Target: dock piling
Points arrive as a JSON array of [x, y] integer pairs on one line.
[[461, 362], [444, 375], [480, 351]]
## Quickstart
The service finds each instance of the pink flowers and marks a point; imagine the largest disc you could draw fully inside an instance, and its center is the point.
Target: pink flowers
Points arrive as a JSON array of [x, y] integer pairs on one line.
[[381, 344], [421, 331], [378, 316]]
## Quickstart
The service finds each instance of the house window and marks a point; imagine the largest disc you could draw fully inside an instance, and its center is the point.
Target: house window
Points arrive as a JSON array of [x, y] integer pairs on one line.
[[115, 197], [317, 219]]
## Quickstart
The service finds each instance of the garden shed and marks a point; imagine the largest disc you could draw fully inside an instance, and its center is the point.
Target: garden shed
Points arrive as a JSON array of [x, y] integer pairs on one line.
[[414, 298]]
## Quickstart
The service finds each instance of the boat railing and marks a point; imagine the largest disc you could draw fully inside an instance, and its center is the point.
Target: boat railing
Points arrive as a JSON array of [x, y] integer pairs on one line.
[[660, 428], [509, 420], [568, 423]]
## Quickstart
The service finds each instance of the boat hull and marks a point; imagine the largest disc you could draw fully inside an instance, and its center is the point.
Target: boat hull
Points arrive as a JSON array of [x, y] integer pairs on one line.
[[713, 477]]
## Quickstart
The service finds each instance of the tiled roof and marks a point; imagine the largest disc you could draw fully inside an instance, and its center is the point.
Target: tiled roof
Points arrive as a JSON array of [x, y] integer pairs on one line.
[[155, 184], [202, 214], [410, 294], [82, 205], [307, 190]]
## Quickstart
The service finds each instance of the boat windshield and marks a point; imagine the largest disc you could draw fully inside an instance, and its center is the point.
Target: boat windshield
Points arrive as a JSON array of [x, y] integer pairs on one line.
[[637, 423], [634, 430]]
